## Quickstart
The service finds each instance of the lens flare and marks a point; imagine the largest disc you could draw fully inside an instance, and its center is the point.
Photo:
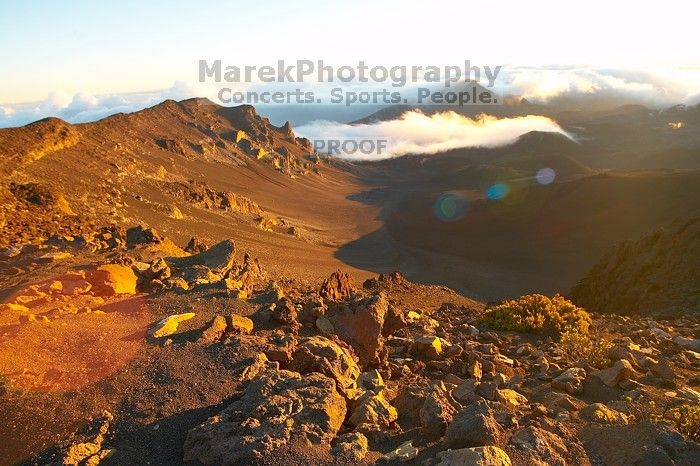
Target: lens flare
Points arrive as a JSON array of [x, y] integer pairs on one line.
[[497, 191], [545, 176], [450, 207], [63, 334]]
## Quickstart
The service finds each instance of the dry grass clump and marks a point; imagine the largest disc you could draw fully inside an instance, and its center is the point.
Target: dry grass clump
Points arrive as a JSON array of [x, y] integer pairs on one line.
[[684, 418]]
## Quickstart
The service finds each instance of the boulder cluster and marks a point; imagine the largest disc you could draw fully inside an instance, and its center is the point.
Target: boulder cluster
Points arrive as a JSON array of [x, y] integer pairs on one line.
[[377, 372], [346, 369]]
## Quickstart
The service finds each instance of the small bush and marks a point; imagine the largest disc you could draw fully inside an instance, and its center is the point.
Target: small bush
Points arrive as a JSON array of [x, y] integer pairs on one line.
[[684, 418], [536, 313], [591, 348]]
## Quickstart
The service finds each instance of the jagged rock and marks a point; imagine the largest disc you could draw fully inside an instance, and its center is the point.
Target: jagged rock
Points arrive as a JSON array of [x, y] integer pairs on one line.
[[319, 354], [474, 370], [548, 446], [238, 324], [313, 310], [90, 452], [284, 312], [219, 258], [353, 445], [427, 347], [663, 370], [112, 279], [215, 330], [281, 347], [687, 393], [488, 390], [360, 325], [571, 380], [437, 410], [479, 456], [243, 279], [175, 213], [404, 452], [510, 397], [465, 392], [169, 325], [372, 409], [256, 365], [558, 402], [142, 235], [472, 427], [195, 246], [395, 320], [688, 343], [598, 412], [325, 326], [158, 269], [275, 292], [337, 287], [276, 409], [371, 380], [612, 376]]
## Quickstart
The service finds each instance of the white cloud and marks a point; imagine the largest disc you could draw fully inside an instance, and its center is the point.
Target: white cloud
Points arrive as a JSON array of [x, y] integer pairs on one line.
[[543, 85], [415, 132]]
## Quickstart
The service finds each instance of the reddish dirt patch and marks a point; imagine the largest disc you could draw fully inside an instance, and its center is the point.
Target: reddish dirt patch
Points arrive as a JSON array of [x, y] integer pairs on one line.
[[65, 338]]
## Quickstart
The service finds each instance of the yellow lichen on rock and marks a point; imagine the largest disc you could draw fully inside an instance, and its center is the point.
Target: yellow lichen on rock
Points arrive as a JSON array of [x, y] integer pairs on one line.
[[169, 325]]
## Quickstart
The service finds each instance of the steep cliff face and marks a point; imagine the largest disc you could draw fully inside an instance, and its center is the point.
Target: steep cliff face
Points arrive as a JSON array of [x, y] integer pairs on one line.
[[658, 275]]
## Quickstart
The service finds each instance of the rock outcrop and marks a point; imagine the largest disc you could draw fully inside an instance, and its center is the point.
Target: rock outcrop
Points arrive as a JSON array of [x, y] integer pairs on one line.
[[276, 409]]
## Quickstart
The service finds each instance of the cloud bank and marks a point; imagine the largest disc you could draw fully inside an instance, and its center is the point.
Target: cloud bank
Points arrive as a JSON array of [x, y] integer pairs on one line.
[[84, 107], [418, 133], [551, 85]]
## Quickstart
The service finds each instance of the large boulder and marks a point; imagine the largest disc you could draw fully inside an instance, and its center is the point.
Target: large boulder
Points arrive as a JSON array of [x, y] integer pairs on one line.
[[360, 325], [319, 354], [112, 279], [219, 258], [474, 426], [277, 408]]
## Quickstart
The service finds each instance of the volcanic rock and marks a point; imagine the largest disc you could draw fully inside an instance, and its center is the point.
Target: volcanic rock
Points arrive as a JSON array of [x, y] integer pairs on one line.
[[360, 325], [437, 410], [612, 376], [598, 412], [353, 445], [276, 409], [337, 287], [571, 380], [473, 426], [479, 456], [372, 409], [319, 354]]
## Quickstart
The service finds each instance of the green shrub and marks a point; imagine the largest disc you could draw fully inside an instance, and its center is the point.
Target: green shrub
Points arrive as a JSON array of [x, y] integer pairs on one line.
[[535, 313]]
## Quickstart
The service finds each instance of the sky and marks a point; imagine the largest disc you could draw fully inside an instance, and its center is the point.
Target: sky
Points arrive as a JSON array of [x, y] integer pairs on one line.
[[58, 53]]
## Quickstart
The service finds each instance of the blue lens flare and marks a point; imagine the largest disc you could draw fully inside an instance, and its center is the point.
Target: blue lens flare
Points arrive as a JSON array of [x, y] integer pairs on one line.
[[450, 207], [545, 176], [497, 191]]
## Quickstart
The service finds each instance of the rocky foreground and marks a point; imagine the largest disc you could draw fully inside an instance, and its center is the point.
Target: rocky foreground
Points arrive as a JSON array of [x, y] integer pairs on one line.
[[121, 347]]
